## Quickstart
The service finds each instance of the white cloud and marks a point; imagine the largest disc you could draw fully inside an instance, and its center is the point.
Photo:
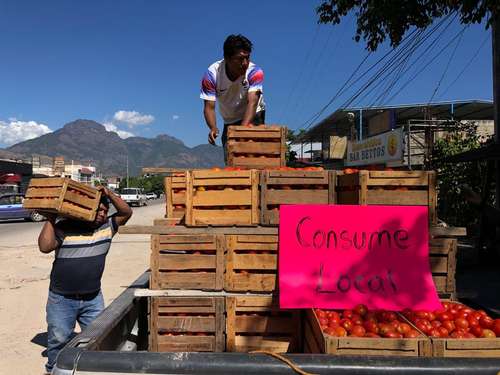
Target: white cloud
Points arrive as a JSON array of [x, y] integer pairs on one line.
[[175, 117], [15, 131], [110, 127], [133, 118]]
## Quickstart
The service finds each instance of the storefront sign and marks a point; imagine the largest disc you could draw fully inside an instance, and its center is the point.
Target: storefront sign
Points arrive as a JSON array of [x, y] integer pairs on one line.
[[337, 256], [380, 149]]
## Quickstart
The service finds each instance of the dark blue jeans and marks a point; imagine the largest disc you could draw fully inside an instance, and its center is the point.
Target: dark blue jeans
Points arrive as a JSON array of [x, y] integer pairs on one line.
[[62, 314]]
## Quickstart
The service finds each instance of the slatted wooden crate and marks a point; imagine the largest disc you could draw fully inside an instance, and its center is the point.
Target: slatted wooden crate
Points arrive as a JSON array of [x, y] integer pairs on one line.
[[222, 198], [260, 147], [443, 258], [472, 348], [251, 262], [187, 262], [184, 324], [62, 196], [175, 196], [257, 323], [316, 341], [416, 188], [294, 187]]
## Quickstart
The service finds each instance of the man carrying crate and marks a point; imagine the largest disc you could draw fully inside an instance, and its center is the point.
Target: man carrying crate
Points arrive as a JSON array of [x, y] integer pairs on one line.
[[236, 84], [75, 280]]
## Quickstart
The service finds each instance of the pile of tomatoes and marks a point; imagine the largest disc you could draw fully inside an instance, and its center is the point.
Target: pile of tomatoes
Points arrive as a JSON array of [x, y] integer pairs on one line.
[[360, 322], [455, 320], [218, 169]]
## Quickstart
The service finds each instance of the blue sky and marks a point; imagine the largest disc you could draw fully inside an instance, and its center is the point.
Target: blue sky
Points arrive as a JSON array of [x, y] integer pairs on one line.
[[136, 65]]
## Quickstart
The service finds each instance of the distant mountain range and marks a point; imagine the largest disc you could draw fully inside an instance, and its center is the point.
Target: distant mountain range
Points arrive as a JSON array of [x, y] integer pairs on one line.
[[86, 140]]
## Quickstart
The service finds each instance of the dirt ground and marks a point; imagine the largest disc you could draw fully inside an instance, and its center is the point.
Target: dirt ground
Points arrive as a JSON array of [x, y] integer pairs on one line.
[[24, 282]]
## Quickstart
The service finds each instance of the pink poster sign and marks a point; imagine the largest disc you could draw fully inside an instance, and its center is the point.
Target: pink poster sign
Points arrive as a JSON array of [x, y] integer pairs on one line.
[[337, 256]]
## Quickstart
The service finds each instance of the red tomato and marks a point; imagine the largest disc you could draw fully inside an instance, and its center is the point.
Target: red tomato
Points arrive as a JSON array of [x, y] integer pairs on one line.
[[358, 331], [347, 314], [496, 327], [477, 331], [323, 321], [395, 325], [462, 315], [472, 321], [384, 328], [486, 322], [421, 314], [449, 325], [411, 334], [360, 309], [371, 334], [443, 332], [334, 319], [333, 314], [340, 332], [469, 335], [436, 323], [467, 310], [356, 319], [320, 313], [434, 333], [333, 323], [446, 305], [346, 324], [431, 316], [393, 335], [390, 316], [371, 315], [482, 312], [404, 328], [423, 325], [488, 334], [476, 315], [370, 326], [331, 331], [461, 323], [444, 316]]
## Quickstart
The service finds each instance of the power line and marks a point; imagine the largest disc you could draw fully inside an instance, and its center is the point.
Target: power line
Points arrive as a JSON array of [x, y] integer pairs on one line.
[[402, 47], [466, 65], [447, 65]]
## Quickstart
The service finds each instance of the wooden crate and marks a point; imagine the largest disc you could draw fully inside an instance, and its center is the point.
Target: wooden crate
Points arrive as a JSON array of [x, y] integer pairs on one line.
[[251, 262], [185, 324], [175, 196], [257, 323], [294, 187], [222, 198], [443, 258], [315, 341], [187, 262], [259, 147], [417, 188], [472, 348], [62, 196]]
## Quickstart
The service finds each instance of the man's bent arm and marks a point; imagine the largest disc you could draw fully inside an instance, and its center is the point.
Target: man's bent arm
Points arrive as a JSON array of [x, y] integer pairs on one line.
[[210, 119], [47, 240], [253, 101]]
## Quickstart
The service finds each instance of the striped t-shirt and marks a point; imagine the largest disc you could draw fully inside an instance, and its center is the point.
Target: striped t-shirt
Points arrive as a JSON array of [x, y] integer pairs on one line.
[[80, 259]]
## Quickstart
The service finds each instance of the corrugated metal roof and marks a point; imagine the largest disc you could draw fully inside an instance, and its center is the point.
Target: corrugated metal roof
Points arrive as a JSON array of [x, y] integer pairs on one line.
[[338, 124]]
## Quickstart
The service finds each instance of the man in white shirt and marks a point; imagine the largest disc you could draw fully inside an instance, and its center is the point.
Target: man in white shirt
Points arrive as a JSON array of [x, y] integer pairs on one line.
[[236, 84]]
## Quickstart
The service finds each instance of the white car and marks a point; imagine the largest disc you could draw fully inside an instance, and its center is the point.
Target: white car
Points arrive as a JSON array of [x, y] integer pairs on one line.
[[134, 196], [151, 195]]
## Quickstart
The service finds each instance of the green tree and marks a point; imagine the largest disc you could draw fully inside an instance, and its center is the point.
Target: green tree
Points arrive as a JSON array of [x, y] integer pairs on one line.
[[451, 177], [377, 20]]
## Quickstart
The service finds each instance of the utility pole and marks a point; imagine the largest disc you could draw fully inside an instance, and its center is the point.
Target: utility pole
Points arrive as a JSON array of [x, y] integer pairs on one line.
[[495, 37], [127, 170]]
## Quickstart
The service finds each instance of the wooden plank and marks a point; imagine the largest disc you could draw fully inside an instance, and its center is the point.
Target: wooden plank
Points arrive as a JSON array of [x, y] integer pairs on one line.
[[186, 323], [186, 280], [162, 229], [244, 344], [297, 197], [186, 262], [43, 192], [447, 232], [256, 134], [185, 343], [221, 175], [348, 197], [46, 182], [230, 324], [258, 148], [264, 324], [423, 181], [222, 198], [79, 199], [253, 282], [259, 163], [255, 262], [222, 181], [391, 197], [301, 176], [398, 174], [222, 217], [439, 264], [259, 238]]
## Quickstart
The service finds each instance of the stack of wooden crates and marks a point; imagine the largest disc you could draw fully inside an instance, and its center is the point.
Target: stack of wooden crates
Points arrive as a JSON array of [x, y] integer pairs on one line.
[[229, 243]]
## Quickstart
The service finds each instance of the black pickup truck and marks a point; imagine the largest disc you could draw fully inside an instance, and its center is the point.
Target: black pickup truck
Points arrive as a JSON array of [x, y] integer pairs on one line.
[[116, 343]]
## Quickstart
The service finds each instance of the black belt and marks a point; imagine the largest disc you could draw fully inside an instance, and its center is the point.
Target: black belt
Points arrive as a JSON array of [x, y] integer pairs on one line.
[[82, 296]]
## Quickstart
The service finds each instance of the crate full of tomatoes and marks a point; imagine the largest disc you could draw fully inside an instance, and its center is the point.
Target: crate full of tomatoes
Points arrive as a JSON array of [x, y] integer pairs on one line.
[[458, 330], [362, 332]]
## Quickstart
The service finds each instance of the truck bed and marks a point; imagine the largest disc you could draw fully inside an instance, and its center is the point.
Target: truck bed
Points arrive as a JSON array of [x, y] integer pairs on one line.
[[116, 343]]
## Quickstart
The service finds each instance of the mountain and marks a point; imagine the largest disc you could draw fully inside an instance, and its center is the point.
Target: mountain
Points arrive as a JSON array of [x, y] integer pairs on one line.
[[86, 140]]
